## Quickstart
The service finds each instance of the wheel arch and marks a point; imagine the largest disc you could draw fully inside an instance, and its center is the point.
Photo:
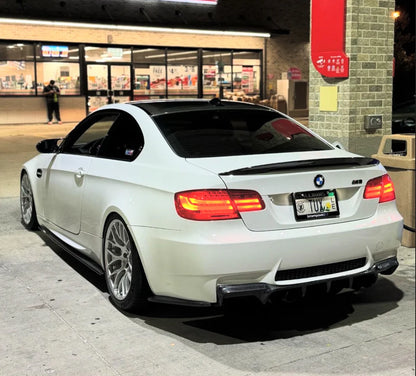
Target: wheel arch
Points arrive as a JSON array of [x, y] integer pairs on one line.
[[31, 223], [128, 290], [34, 187], [23, 171], [111, 212], [114, 212]]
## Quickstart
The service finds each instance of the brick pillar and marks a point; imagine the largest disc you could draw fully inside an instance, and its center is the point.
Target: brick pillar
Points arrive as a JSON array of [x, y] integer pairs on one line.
[[368, 90]]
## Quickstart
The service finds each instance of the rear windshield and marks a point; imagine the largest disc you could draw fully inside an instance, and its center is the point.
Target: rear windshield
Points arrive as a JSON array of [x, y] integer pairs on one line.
[[219, 133]]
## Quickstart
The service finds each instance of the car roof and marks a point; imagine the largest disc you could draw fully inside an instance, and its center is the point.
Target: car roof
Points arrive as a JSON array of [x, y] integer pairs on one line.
[[164, 106]]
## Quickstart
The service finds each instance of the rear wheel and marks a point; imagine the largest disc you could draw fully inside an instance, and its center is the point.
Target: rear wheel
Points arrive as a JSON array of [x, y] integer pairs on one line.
[[27, 204], [124, 273]]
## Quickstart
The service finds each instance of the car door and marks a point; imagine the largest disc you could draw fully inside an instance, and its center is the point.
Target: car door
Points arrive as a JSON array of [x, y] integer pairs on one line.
[[66, 174], [112, 174]]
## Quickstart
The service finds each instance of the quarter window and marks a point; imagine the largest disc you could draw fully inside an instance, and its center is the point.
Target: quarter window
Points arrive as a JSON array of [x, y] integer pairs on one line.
[[108, 134], [124, 141]]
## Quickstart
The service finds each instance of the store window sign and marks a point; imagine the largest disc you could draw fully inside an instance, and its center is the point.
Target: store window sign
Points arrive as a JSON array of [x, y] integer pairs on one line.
[[55, 51], [247, 79], [183, 76], [115, 52], [294, 74], [157, 77]]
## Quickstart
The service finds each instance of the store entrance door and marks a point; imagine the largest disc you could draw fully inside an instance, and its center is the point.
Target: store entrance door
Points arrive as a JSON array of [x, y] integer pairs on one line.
[[108, 83]]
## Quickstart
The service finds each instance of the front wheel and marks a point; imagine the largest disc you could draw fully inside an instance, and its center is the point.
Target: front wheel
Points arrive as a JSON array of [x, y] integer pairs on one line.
[[124, 273], [27, 204]]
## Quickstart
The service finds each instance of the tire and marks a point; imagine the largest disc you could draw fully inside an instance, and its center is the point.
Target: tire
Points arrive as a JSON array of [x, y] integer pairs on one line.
[[124, 274], [27, 204]]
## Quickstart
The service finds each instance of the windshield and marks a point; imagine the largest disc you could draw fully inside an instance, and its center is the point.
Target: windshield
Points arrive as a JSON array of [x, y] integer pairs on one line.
[[218, 133]]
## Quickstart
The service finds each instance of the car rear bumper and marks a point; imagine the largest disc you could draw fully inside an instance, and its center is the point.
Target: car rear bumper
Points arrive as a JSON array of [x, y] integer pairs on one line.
[[224, 259], [263, 291]]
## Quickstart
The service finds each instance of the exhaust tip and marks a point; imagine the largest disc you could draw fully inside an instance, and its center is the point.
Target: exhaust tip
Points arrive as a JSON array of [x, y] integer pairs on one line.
[[388, 266]]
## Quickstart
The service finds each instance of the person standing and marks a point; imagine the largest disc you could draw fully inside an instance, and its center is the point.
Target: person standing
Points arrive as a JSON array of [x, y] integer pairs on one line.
[[52, 93]]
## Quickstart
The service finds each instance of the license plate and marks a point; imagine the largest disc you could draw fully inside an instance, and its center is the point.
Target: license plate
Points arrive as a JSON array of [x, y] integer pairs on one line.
[[315, 204]]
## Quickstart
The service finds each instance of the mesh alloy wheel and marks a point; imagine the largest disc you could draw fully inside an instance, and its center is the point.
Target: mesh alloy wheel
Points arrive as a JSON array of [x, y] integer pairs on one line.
[[124, 274], [27, 204]]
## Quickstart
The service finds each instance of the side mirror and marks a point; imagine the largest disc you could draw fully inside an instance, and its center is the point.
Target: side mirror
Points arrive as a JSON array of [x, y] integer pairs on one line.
[[49, 146]]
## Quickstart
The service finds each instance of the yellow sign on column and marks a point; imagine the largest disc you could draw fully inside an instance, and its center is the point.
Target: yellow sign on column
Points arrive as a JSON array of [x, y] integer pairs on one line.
[[328, 99]]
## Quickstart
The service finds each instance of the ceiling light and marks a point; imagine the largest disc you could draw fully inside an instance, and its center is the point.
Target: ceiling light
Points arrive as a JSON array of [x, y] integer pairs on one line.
[[134, 28], [172, 54], [203, 2], [145, 50]]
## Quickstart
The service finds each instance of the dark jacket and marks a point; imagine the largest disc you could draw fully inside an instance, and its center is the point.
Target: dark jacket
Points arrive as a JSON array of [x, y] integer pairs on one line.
[[51, 93]]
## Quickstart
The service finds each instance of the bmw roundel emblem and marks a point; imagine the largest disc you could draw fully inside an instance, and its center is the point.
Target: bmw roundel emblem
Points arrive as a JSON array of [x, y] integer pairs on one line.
[[319, 181]]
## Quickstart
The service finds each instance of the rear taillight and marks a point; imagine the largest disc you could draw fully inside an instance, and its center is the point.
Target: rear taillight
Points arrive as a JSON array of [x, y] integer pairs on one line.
[[381, 188], [216, 204]]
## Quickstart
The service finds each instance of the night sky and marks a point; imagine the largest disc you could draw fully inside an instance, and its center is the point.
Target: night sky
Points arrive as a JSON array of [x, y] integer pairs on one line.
[[404, 82]]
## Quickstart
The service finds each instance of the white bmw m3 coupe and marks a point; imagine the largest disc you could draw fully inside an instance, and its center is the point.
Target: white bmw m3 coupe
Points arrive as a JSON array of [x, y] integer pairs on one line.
[[198, 201]]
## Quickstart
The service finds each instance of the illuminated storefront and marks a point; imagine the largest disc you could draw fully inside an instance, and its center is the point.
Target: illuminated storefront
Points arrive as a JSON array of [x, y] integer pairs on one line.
[[105, 74], [26, 68]]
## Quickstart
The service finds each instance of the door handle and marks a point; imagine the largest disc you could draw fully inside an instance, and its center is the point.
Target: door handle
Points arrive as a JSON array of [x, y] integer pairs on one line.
[[79, 174]]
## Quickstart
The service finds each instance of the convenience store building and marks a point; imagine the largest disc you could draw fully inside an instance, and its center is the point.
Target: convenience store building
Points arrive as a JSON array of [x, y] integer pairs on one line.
[[96, 63]]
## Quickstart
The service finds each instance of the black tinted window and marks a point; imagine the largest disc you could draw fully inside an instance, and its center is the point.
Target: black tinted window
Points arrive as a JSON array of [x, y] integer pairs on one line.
[[107, 134], [87, 137], [214, 133], [124, 140]]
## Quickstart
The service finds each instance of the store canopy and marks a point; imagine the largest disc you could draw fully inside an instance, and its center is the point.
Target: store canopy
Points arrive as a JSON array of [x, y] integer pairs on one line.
[[236, 15]]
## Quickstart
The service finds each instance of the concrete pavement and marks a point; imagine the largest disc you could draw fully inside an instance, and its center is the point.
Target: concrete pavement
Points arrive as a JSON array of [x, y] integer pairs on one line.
[[17, 145], [56, 317]]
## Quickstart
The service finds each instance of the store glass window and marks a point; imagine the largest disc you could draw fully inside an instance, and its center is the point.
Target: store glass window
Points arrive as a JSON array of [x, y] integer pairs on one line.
[[97, 77], [217, 72], [247, 72], [59, 63], [120, 77], [149, 56], [17, 77], [149, 73], [65, 75], [17, 69], [107, 54], [16, 51], [182, 73]]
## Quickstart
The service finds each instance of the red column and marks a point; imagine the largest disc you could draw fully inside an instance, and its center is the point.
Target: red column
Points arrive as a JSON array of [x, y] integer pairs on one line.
[[328, 38]]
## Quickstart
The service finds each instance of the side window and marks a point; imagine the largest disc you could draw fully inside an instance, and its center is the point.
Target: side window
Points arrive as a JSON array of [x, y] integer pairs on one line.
[[88, 137], [124, 141]]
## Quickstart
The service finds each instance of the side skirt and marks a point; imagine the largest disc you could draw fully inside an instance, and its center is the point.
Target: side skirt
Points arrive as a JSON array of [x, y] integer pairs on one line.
[[73, 252], [177, 301]]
